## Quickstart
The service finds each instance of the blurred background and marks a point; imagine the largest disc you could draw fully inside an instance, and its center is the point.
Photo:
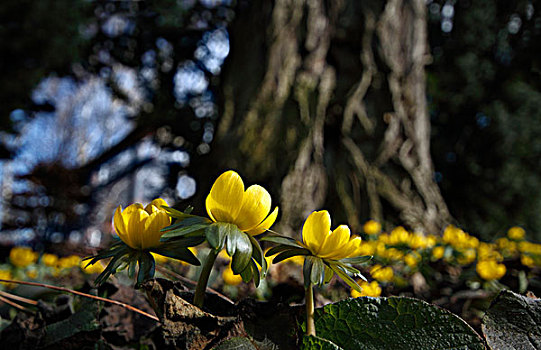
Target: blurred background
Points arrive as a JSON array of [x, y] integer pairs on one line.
[[420, 113], [415, 122]]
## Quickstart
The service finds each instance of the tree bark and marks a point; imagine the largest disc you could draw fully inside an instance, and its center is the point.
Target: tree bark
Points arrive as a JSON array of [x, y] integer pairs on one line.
[[324, 102]]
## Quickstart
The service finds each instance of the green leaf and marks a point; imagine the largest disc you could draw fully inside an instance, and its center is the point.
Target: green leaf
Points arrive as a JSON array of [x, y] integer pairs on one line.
[[281, 240], [394, 323], [328, 274], [243, 252], [317, 343], [216, 234], [246, 274], [356, 260], [131, 268], [177, 214], [256, 275], [277, 249], [257, 254], [289, 254], [348, 269], [343, 275], [184, 231], [147, 267], [318, 272], [121, 256], [179, 253], [307, 270], [513, 321]]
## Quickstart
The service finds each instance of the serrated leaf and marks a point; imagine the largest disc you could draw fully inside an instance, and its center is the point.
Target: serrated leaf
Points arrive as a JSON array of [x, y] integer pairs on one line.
[[356, 260], [317, 343], [289, 254], [243, 252], [513, 321], [393, 323]]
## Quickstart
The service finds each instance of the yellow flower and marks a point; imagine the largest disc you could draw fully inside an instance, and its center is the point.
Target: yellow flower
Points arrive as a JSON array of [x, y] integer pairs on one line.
[[372, 227], [412, 259], [371, 289], [382, 274], [69, 261], [139, 227], [230, 278], [318, 238], [466, 256], [527, 261], [49, 259], [22, 256], [32, 273], [516, 233], [248, 210], [399, 235], [6, 275], [490, 270], [438, 252], [90, 269]]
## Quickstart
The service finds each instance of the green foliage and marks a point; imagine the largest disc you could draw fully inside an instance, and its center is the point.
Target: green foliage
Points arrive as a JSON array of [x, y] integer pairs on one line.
[[393, 323], [317, 343], [84, 320], [513, 322]]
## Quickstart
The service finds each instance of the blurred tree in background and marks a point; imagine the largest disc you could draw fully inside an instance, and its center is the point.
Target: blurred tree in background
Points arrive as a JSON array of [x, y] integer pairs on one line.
[[324, 102]]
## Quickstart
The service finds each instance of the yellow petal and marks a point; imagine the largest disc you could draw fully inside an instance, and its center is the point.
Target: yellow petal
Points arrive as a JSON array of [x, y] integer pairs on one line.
[[336, 244], [353, 248], [121, 227], [155, 222], [136, 228], [225, 198], [265, 225], [315, 230], [156, 204], [256, 205]]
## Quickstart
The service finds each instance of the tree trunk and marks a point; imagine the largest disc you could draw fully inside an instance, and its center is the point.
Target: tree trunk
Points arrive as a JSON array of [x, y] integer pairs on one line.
[[324, 102]]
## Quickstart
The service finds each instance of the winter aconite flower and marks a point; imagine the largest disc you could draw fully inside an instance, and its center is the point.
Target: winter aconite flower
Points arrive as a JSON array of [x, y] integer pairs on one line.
[[249, 210], [326, 253], [369, 289], [140, 227], [140, 230], [335, 245], [22, 256], [490, 270]]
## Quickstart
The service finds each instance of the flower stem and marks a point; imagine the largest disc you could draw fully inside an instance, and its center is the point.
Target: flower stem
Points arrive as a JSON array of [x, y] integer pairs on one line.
[[310, 323], [201, 287]]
